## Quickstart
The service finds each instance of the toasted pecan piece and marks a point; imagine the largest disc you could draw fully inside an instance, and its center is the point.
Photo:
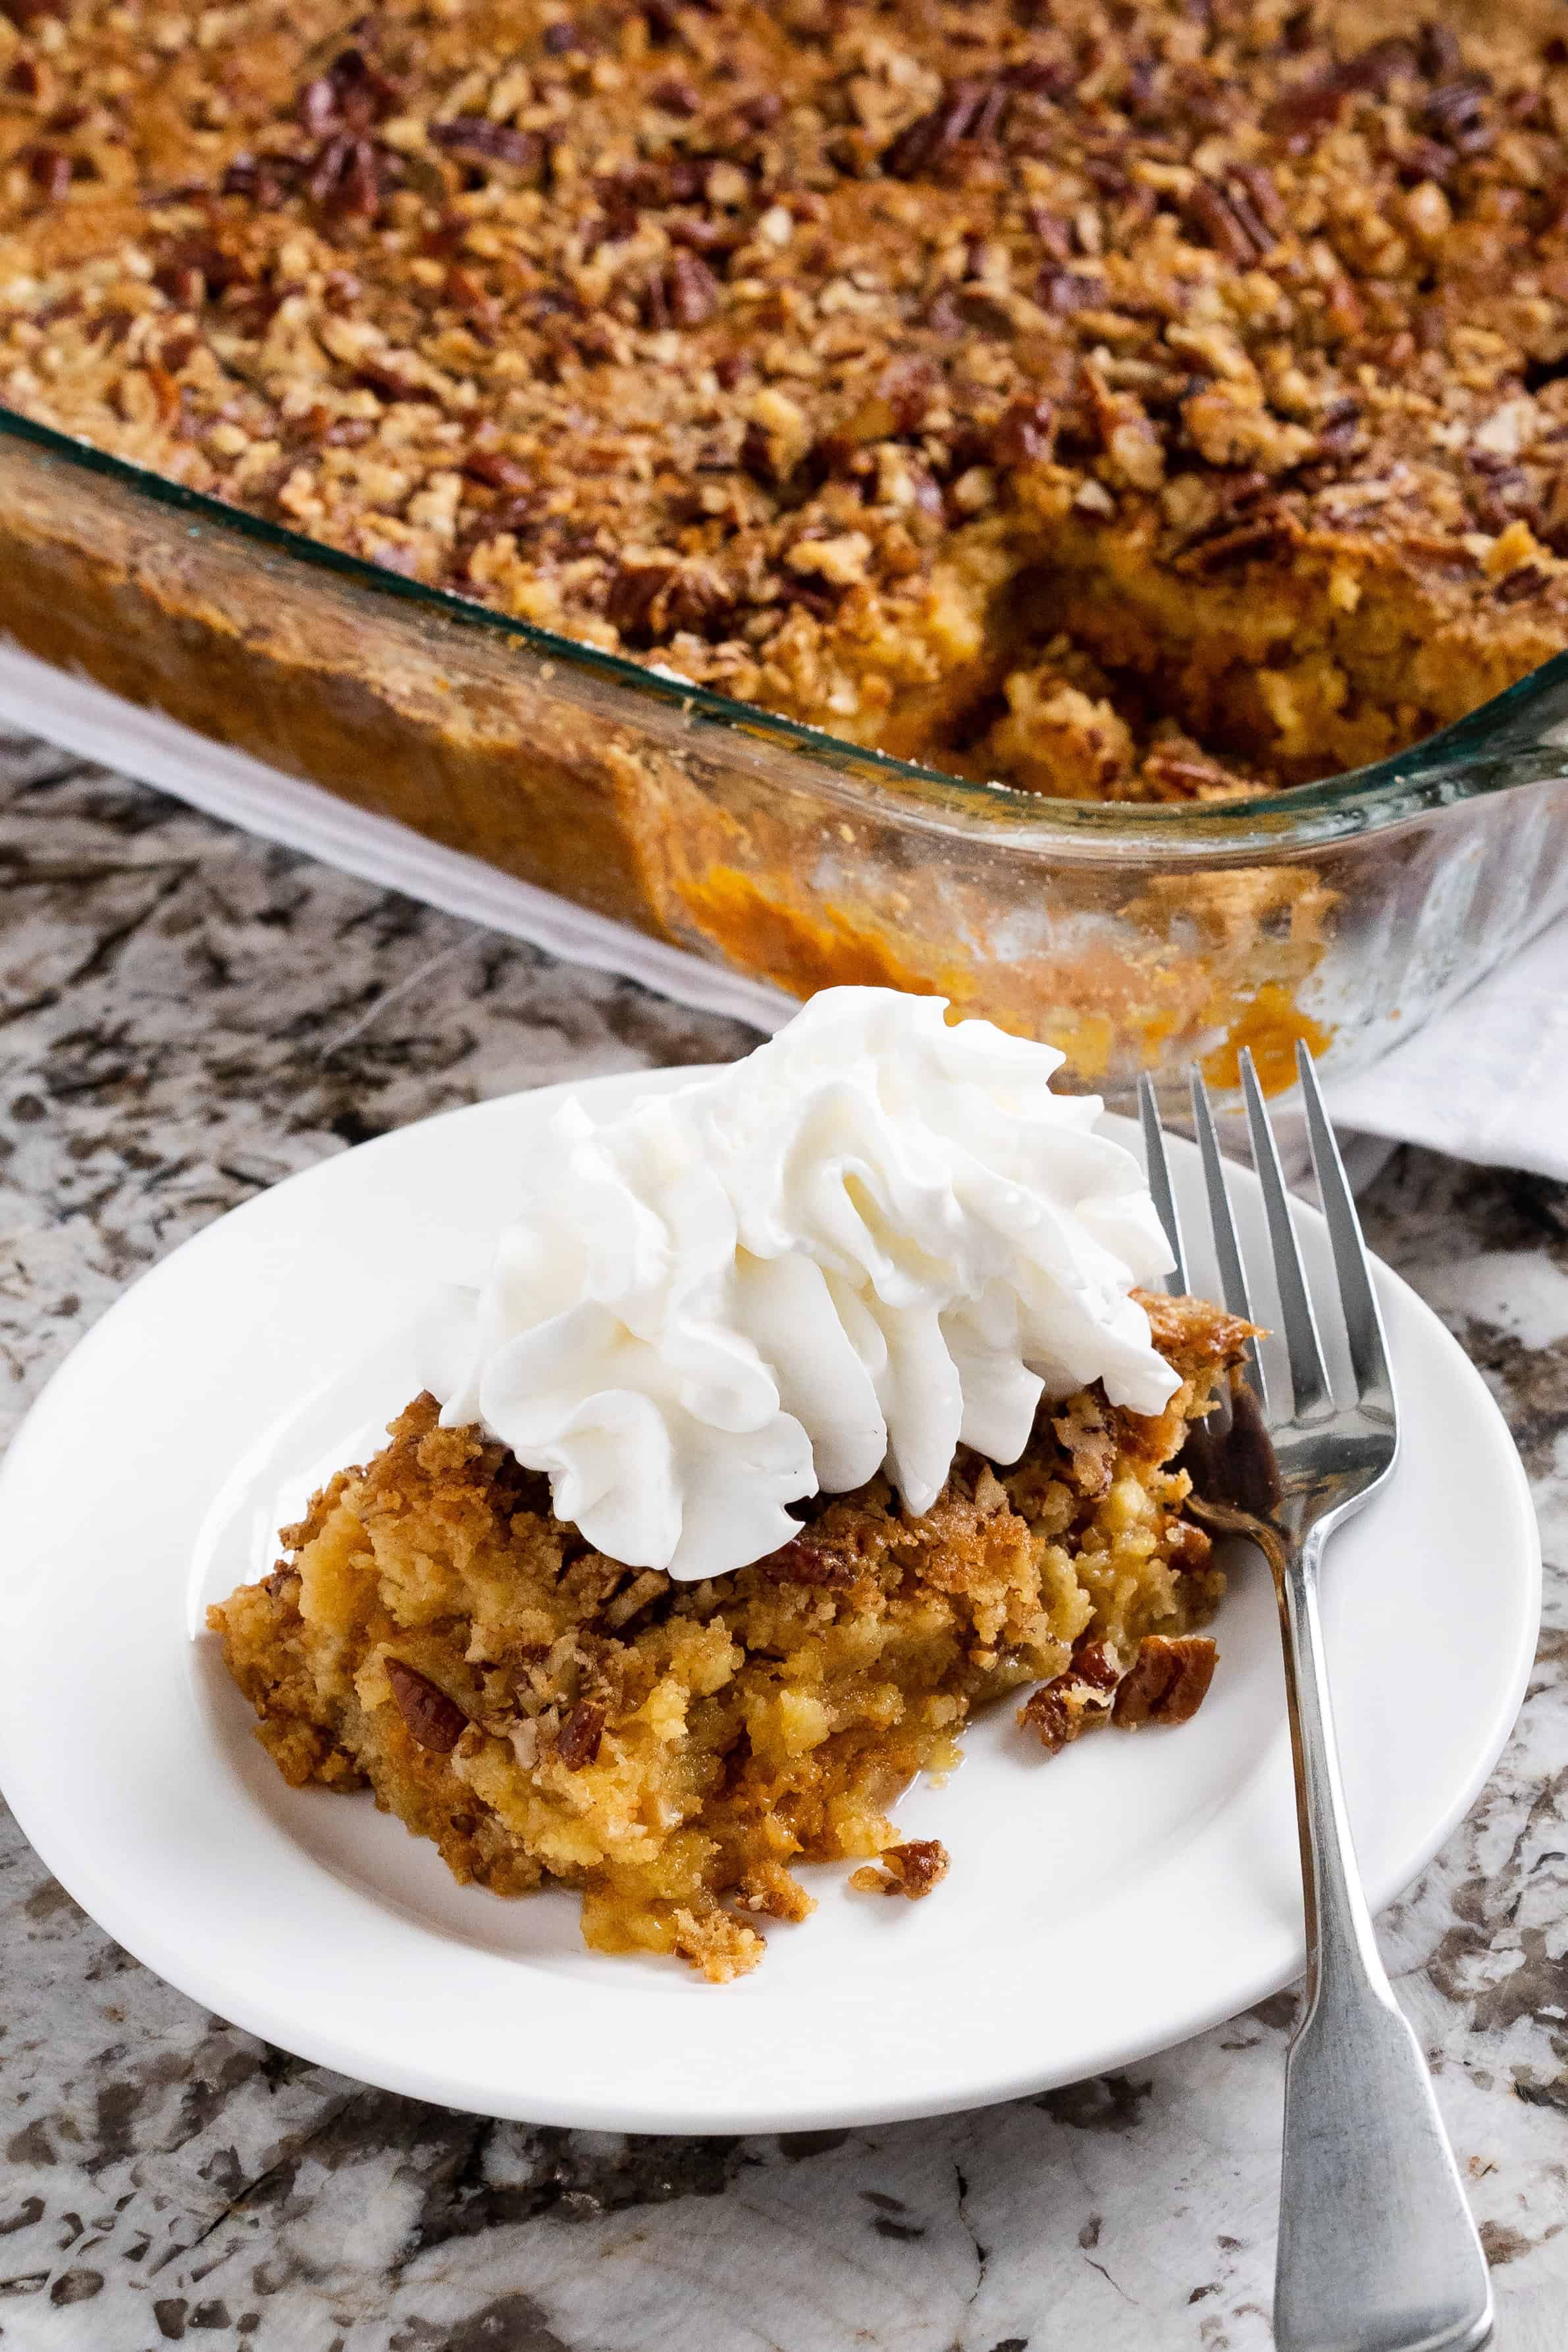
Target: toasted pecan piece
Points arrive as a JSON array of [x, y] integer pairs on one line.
[[1077, 1699], [577, 1742], [433, 1720], [808, 1559], [1085, 1432], [912, 1870], [1167, 1682]]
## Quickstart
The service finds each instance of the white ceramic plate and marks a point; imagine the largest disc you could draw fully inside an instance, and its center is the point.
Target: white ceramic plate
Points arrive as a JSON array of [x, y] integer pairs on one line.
[[1101, 1903]]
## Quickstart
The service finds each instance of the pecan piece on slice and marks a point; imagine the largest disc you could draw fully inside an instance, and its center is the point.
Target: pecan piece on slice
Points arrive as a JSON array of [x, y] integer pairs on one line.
[[1090, 1441], [577, 1741], [805, 1560], [912, 1870], [433, 1720], [1075, 1702], [1167, 1682]]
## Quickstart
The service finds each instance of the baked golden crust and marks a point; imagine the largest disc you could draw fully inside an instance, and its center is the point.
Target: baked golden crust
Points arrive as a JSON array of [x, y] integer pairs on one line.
[[1154, 402], [670, 1751]]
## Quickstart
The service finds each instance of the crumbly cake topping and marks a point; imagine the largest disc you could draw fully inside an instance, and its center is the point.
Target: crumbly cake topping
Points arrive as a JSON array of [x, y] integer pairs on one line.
[[811, 348]]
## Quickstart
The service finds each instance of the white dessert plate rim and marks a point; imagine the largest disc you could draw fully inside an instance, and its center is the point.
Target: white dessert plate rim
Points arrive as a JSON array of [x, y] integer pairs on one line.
[[1101, 1907]]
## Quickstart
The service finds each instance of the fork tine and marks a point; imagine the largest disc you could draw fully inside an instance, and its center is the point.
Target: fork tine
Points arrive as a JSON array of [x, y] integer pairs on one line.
[[1227, 1249], [1363, 1323], [1309, 1379], [1160, 1183]]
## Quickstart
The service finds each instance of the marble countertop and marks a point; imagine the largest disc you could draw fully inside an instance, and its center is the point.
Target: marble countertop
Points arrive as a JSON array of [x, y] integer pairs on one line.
[[187, 1014]]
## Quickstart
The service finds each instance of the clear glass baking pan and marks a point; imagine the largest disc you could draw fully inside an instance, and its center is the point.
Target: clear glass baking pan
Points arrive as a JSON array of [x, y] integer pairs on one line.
[[1135, 937]]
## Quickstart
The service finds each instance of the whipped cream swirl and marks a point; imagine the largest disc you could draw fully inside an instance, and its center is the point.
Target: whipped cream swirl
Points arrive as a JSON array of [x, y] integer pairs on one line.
[[878, 1237]]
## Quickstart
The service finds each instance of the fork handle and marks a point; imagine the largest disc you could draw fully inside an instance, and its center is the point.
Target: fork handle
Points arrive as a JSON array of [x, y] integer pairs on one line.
[[1377, 2248]]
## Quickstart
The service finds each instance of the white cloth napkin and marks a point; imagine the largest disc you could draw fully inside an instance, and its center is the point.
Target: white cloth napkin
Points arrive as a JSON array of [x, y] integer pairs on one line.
[[1489, 1081]]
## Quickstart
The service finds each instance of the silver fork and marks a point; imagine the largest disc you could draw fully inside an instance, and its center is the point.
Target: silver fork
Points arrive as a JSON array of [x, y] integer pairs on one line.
[[1377, 2250]]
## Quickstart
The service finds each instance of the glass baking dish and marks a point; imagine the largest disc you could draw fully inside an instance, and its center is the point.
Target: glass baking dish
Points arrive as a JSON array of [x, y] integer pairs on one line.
[[1133, 937]]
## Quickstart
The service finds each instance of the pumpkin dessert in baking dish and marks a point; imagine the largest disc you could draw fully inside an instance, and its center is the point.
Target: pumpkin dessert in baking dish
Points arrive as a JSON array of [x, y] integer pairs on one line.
[[1154, 401]]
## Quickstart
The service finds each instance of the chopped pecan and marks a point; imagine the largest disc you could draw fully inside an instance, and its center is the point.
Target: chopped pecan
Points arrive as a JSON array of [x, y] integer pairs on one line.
[[577, 1741], [1064, 290], [913, 1869], [1025, 433], [473, 138], [390, 382], [1089, 1443], [807, 1559], [692, 289], [673, 96], [1075, 1702], [1093, 1664], [265, 179], [1438, 51], [1051, 231], [349, 177], [1167, 1682], [350, 95], [1338, 429], [1190, 1547], [651, 597], [1527, 580], [1457, 113], [1225, 549], [50, 169], [1261, 190], [1218, 220], [433, 1720], [968, 110], [496, 469]]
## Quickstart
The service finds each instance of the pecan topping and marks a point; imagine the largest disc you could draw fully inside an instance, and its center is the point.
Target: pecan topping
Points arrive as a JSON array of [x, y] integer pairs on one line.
[[577, 1741], [969, 111], [495, 469], [656, 596], [1457, 113], [1089, 1443], [1256, 183], [1528, 580], [691, 289], [1025, 433], [1064, 291], [471, 137], [1074, 1703], [1227, 548], [1168, 1681], [345, 179], [805, 1560], [350, 95], [1337, 433], [50, 169], [1227, 222], [682, 292], [433, 1720], [1313, 105], [913, 1869]]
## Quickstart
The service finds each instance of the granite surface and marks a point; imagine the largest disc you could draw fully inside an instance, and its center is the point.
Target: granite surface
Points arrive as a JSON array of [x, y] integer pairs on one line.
[[187, 1015]]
